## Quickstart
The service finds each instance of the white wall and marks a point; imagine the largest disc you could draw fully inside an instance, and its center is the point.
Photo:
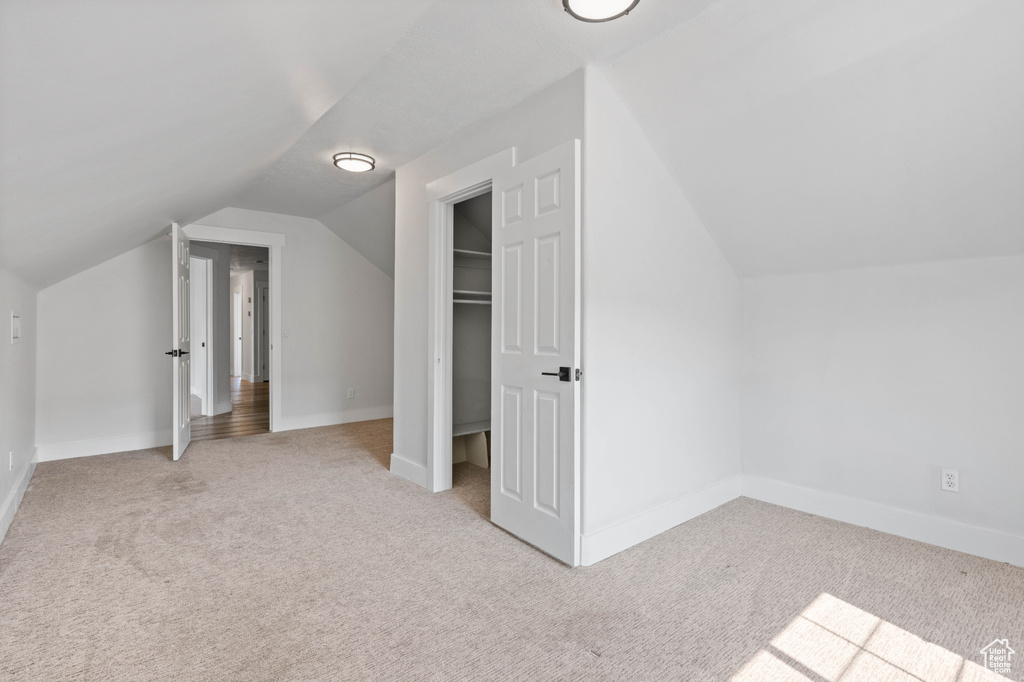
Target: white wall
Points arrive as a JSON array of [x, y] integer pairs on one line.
[[338, 315], [17, 394], [367, 224], [539, 123], [220, 335], [104, 383], [864, 384], [661, 342]]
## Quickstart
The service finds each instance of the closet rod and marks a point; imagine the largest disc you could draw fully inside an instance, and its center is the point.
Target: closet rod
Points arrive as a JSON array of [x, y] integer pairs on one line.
[[467, 253]]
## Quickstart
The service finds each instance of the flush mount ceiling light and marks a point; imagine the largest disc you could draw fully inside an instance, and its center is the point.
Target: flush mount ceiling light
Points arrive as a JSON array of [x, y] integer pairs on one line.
[[599, 10], [354, 162]]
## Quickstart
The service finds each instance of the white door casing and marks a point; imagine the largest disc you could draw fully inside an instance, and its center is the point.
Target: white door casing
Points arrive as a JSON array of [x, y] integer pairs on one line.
[[535, 437], [182, 342], [443, 194], [275, 242]]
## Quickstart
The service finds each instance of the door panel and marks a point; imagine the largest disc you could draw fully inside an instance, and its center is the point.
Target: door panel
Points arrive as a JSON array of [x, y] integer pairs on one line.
[[181, 323], [535, 332], [512, 298], [546, 451], [512, 443], [548, 309]]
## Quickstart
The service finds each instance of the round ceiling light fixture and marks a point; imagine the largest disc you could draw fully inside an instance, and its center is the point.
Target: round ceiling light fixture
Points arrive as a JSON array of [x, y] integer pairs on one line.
[[354, 162], [599, 10]]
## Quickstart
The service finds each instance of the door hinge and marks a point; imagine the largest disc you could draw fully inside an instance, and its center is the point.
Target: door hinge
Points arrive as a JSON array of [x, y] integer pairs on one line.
[[579, 373]]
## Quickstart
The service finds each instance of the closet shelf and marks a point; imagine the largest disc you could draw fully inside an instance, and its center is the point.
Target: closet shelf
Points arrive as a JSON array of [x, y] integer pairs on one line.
[[471, 300], [470, 292], [471, 427], [475, 255]]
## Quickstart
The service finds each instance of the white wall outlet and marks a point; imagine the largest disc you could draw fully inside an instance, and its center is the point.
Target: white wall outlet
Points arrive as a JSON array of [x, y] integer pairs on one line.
[[951, 480], [351, 393]]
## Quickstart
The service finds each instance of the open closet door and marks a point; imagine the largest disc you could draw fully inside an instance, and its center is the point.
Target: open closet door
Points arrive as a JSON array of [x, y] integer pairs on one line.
[[535, 341], [182, 343]]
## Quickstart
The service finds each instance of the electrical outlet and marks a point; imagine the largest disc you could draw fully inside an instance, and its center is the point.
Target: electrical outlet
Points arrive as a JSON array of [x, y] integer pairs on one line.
[[351, 393], [951, 480]]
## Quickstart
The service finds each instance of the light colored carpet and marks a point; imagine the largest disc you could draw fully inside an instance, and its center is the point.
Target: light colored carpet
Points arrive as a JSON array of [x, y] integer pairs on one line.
[[297, 556], [195, 406]]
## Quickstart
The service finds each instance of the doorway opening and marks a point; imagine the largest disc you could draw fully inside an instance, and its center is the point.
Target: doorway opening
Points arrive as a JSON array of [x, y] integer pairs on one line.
[[470, 334], [231, 314], [535, 337]]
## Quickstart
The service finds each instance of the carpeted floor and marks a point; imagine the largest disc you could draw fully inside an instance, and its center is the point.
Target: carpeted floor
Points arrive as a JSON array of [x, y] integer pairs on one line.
[[297, 556]]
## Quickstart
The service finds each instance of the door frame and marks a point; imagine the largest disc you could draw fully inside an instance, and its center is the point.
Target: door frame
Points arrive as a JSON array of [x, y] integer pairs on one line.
[[275, 243], [442, 195]]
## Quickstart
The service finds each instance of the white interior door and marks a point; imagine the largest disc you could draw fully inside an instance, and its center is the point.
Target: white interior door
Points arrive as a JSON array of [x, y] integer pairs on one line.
[[180, 324], [535, 350]]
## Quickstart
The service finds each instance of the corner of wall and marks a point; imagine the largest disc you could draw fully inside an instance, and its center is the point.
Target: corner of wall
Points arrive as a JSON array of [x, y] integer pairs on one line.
[[312, 421], [621, 536], [51, 452], [13, 501], [411, 471], [934, 530]]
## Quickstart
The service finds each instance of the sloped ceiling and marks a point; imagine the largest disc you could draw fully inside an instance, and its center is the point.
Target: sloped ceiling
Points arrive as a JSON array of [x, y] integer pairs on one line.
[[815, 136], [464, 60], [809, 135], [120, 116], [117, 116]]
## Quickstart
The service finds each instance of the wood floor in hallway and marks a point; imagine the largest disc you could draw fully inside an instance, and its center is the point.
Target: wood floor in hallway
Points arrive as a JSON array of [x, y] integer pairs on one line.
[[250, 413]]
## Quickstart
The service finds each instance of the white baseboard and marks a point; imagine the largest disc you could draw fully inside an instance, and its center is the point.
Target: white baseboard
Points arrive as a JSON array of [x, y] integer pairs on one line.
[[13, 500], [248, 377], [962, 537], [604, 543], [411, 471], [220, 408], [331, 418], [102, 446]]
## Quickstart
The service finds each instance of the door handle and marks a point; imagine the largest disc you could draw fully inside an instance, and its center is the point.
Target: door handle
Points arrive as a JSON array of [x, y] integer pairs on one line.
[[172, 353], [562, 374], [182, 352]]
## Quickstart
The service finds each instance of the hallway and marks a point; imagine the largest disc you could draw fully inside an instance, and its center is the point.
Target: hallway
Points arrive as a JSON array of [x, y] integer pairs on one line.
[[250, 413]]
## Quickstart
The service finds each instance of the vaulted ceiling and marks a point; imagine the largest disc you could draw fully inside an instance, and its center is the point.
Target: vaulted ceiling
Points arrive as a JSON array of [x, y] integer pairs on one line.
[[809, 135], [814, 136], [120, 116]]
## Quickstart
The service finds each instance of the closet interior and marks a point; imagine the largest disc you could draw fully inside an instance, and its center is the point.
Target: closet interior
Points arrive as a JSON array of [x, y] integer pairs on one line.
[[471, 331]]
